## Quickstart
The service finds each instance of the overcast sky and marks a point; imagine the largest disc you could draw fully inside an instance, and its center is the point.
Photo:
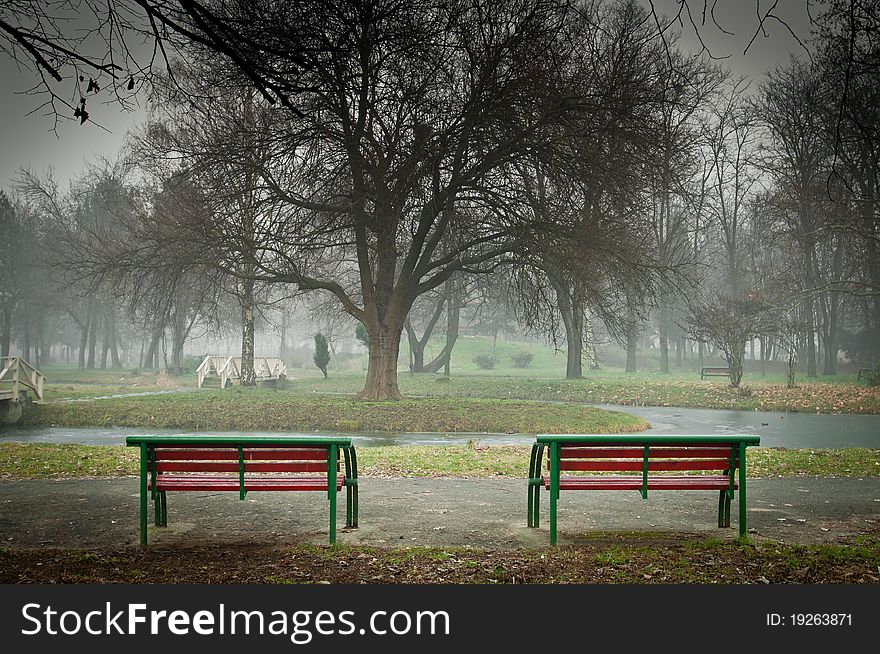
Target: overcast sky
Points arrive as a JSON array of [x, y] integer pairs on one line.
[[28, 140]]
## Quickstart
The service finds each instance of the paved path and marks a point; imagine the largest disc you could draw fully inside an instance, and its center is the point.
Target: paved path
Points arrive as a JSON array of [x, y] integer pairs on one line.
[[444, 512]]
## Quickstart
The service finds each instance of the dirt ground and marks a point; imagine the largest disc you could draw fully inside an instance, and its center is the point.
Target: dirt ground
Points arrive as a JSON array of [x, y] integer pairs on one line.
[[440, 531]]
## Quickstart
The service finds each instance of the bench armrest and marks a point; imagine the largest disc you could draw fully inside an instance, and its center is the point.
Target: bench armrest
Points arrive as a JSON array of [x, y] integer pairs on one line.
[[350, 456], [535, 461]]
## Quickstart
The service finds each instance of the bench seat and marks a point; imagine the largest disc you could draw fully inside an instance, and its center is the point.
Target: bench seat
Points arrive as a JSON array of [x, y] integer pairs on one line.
[[167, 482], [634, 482]]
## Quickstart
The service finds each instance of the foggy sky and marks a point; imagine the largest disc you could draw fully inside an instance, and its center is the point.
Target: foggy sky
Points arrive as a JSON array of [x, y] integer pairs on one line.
[[27, 140]]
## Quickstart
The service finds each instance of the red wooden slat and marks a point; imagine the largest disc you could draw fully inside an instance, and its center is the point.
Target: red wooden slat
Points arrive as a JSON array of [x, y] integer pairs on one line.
[[249, 466], [632, 482], [653, 452], [633, 465], [211, 483], [291, 454], [196, 466]]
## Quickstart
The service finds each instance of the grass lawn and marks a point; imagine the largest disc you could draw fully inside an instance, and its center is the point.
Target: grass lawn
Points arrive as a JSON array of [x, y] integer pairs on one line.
[[643, 389], [251, 409], [615, 558], [51, 461], [506, 399]]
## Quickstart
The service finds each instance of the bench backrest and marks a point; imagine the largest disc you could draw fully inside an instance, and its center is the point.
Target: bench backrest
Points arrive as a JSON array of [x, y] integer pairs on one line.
[[255, 459], [592, 457]]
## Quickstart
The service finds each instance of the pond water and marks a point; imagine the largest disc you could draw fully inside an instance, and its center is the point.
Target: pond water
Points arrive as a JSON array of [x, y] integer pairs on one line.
[[775, 429]]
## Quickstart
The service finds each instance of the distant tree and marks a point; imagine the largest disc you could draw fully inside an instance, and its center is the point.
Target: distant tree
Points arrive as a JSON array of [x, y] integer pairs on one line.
[[322, 353], [10, 288], [796, 155], [730, 322]]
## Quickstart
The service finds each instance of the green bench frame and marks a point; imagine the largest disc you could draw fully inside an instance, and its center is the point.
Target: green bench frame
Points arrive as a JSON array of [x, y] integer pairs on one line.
[[553, 443], [334, 446]]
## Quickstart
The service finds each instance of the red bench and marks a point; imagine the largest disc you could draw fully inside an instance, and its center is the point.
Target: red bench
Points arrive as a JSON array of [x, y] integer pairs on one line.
[[208, 464], [714, 372], [653, 457]]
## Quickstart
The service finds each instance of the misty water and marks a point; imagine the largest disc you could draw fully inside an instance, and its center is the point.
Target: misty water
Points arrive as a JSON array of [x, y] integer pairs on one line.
[[792, 430]]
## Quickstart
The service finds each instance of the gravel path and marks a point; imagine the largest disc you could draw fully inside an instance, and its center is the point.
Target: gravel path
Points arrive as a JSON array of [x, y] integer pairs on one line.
[[98, 513]]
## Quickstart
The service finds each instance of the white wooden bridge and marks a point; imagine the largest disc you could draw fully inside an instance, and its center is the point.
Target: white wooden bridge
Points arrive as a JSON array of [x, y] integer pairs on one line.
[[17, 377], [228, 369]]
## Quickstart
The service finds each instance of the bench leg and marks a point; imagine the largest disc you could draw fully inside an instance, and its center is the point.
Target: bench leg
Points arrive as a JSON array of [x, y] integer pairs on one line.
[[530, 511], [331, 490], [724, 497], [536, 511], [351, 496], [157, 509], [164, 503], [554, 490], [743, 526], [143, 495], [728, 498], [333, 515]]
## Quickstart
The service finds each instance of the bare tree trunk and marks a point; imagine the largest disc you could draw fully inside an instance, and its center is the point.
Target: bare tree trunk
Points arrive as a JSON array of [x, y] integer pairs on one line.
[[453, 309], [381, 381], [152, 358], [85, 328], [632, 339], [93, 333], [6, 336], [734, 363], [573, 320], [282, 351], [762, 340], [114, 342], [664, 335], [27, 335], [872, 239], [105, 343], [809, 308], [833, 313], [246, 299]]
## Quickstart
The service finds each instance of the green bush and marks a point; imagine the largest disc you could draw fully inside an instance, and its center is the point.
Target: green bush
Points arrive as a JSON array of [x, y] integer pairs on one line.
[[521, 359], [485, 361], [872, 378], [360, 333], [322, 353]]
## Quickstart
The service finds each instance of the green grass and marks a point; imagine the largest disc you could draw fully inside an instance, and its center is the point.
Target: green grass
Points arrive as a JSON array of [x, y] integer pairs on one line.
[[251, 409], [69, 374], [56, 461], [642, 389], [77, 391], [543, 380]]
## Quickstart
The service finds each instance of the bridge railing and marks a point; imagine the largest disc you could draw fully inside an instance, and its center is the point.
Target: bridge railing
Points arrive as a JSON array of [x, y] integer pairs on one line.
[[229, 369], [19, 373]]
